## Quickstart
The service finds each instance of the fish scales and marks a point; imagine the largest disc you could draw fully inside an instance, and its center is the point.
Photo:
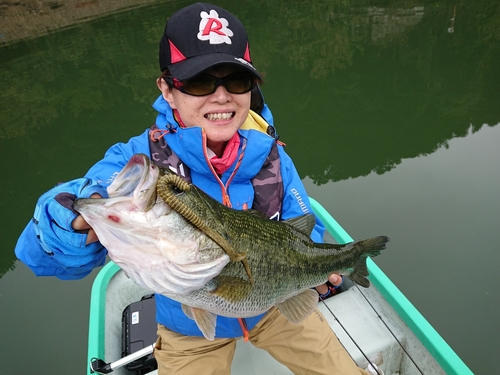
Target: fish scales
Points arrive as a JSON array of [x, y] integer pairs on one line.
[[282, 259], [272, 245]]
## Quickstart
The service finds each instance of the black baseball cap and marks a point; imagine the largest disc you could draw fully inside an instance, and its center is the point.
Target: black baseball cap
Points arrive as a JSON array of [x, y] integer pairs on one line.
[[201, 36]]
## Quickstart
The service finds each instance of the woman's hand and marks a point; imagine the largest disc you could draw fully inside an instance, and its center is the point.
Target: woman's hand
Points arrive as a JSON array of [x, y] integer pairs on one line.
[[80, 224], [334, 278]]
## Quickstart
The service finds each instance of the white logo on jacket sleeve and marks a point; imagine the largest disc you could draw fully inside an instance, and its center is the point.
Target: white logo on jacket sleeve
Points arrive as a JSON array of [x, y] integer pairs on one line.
[[301, 203], [214, 29]]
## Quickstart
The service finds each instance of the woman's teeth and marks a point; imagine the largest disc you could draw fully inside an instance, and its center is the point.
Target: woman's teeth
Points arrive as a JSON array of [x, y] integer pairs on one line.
[[219, 116]]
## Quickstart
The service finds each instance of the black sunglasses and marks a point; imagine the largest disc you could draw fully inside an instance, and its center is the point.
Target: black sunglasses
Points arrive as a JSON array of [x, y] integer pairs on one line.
[[206, 84]]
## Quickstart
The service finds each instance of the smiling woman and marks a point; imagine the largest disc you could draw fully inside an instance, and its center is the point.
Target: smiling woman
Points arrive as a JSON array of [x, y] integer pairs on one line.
[[219, 111]]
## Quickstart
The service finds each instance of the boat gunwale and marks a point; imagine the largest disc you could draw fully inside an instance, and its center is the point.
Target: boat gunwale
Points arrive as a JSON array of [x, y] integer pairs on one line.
[[446, 357], [97, 320]]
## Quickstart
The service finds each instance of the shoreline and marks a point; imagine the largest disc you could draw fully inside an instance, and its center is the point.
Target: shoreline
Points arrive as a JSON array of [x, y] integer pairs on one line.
[[20, 20]]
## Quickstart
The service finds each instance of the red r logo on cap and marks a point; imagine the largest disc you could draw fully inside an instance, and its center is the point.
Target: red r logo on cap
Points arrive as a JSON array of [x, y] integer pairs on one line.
[[213, 25], [214, 29]]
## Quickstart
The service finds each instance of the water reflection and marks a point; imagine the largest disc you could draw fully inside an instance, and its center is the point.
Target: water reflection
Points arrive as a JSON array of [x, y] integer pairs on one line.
[[395, 84], [355, 87], [385, 22], [390, 83]]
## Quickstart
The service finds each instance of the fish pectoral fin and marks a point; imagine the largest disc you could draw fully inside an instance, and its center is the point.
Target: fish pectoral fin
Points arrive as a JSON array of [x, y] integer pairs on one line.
[[232, 289], [248, 271], [238, 257], [205, 320], [300, 306], [229, 250]]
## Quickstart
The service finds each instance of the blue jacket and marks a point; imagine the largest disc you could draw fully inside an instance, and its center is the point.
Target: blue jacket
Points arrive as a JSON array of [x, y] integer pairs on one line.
[[50, 247]]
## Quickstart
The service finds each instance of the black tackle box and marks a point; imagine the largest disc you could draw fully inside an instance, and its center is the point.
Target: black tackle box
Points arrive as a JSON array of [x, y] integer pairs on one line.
[[139, 331]]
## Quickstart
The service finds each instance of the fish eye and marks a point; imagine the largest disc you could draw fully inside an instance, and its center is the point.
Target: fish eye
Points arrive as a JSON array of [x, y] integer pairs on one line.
[[176, 190]]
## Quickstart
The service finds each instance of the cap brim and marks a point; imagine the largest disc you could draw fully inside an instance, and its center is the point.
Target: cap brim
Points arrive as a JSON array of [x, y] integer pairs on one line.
[[195, 65]]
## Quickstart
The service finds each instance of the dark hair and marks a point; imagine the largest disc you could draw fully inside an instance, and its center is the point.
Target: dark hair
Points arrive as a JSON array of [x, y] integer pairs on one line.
[[166, 73], [256, 100]]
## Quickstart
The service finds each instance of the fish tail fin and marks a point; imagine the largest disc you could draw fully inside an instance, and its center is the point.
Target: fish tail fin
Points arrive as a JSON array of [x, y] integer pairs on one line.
[[371, 246], [366, 248]]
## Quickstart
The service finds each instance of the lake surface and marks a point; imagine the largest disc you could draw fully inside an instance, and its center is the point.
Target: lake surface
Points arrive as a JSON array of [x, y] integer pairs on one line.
[[390, 110]]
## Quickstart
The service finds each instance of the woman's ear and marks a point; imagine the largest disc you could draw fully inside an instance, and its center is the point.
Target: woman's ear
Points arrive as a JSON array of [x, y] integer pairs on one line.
[[166, 92], [159, 82]]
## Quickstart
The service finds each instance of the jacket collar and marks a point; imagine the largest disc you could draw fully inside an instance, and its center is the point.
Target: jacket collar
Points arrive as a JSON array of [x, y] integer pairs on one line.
[[187, 143]]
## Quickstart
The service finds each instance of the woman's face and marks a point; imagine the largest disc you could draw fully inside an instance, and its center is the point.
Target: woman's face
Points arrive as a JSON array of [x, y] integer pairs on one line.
[[220, 114]]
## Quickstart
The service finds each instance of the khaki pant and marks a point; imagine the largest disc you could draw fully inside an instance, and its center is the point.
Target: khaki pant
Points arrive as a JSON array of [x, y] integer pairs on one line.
[[309, 348]]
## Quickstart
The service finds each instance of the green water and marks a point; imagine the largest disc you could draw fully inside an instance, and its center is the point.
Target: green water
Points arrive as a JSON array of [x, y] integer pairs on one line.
[[389, 114]]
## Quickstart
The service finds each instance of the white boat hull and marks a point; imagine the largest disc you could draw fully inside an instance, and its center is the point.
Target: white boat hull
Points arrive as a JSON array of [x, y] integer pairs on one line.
[[355, 323]]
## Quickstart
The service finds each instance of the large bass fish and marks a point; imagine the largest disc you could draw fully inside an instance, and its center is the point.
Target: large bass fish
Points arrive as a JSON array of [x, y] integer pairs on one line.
[[174, 239]]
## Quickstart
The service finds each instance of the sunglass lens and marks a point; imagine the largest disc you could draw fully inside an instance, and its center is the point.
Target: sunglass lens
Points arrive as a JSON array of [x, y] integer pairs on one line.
[[239, 83], [200, 85], [205, 84]]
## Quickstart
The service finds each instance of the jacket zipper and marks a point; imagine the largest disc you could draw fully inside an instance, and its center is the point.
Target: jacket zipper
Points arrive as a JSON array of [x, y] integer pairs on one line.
[[227, 202], [225, 196]]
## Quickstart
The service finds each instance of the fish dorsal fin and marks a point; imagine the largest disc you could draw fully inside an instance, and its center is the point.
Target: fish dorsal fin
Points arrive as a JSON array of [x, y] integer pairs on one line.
[[232, 289], [257, 213], [205, 320], [304, 223], [299, 307]]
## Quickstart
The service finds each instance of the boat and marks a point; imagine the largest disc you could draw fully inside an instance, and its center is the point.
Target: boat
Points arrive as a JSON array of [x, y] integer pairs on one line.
[[378, 326]]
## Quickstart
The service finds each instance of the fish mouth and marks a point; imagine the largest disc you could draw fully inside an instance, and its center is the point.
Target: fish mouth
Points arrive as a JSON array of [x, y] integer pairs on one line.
[[220, 116], [81, 204], [138, 179]]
